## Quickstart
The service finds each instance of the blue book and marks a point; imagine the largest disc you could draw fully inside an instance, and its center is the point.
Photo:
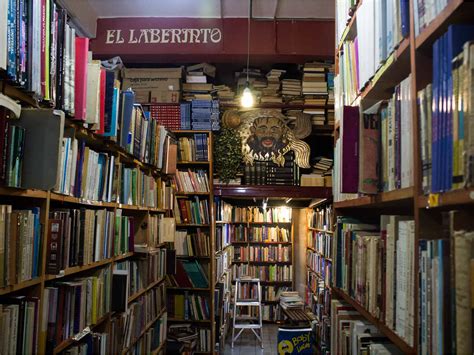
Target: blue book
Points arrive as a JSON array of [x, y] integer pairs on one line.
[[112, 129], [36, 241], [405, 18], [11, 39], [434, 118], [125, 116]]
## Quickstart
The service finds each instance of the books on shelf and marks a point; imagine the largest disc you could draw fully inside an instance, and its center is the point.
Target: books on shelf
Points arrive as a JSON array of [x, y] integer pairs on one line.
[[265, 234], [205, 114], [188, 306], [258, 215], [193, 148], [167, 115], [321, 218], [79, 237], [291, 300], [192, 211], [264, 273], [19, 324], [69, 307], [191, 274], [192, 244], [186, 337], [446, 139], [321, 242], [424, 12], [191, 181], [20, 244], [357, 259]]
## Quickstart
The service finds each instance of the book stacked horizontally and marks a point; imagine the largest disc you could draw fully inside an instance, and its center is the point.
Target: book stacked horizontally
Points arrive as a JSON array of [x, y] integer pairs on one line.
[[318, 116], [314, 81], [225, 94], [184, 338], [271, 93], [291, 88], [321, 174], [197, 86], [291, 300], [256, 79]]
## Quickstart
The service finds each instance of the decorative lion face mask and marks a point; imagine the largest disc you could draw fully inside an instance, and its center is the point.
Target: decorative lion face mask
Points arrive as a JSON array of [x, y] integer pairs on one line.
[[266, 136]]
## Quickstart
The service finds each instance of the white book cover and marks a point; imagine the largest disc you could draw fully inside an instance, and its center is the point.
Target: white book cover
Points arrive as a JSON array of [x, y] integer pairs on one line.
[[366, 39], [390, 25], [406, 134], [93, 92]]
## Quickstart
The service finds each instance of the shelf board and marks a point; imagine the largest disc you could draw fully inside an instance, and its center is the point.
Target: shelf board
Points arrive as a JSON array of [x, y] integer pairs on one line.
[[317, 252], [253, 223], [201, 321], [262, 243], [71, 199], [68, 342], [401, 197], [193, 163], [280, 106], [447, 199], [17, 192], [122, 256], [320, 230], [349, 31], [262, 262], [181, 194], [20, 286], [456, 11], [76, 269], [195, 257], [189, 131], [194, 289], [261, 191], [183, 225], [145, 290], [404, 347]]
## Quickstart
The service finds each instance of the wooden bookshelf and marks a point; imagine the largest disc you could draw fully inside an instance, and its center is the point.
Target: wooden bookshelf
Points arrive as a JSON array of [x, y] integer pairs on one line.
[[389, 333], [402, 197], [145, 290], [20, 286], [262, 191], [279, 106]]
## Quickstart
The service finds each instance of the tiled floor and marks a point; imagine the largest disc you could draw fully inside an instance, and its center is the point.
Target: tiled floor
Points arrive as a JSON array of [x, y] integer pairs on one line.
[[248, 344]]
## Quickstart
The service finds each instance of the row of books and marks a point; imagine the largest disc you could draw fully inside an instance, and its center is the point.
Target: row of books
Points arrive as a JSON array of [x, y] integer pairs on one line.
[[264, 273], [189, 307], [153, 338], [144, 271], [184, 337], [13, 142], [243, 233], [259, 215], [192, 244], [270, 312], [269, 173], [99, 343], [425, 11], [190, 274], [321, 218], [222, 262], [38, 49], [141, 312], [276, 253], [359, 257], [168, 116], [352, 334], [20, 244], [19, 327], [81, 237], [319, 265], [192, 212], [321, 242], [445, 113], [70, 308], [191, 181], [223, 236], [195, 148]]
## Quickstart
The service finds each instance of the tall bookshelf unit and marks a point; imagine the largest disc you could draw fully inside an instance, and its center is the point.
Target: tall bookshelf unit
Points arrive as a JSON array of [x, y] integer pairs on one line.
[[412, 56], [319, 267], [191, 227], [37, 288]]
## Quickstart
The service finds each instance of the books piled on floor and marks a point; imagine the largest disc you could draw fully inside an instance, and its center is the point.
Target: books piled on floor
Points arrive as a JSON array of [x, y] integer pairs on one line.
[[205, 115], [185, 338], [290, 89], [361, 262], [314, 81], [291, 300], [20, 245], [193, 148], [352, 333], [271, 93], [190, 273], [157, 85], [191, 244]]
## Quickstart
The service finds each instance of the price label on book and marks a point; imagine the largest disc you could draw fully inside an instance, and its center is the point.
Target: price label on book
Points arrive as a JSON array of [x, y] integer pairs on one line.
[[433, 200]]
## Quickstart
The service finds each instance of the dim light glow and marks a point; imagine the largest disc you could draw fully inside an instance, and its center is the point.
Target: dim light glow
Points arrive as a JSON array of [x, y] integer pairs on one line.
[[247, 99]]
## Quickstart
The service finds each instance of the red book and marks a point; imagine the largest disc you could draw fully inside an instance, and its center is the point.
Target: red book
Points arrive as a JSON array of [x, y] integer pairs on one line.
[[181, 275], [350, 150], [183, 209], [102, 102], [369, 153], [80, 80]]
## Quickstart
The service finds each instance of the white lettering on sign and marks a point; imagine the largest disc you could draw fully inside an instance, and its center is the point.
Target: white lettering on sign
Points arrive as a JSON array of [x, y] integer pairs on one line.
[[164, 35]]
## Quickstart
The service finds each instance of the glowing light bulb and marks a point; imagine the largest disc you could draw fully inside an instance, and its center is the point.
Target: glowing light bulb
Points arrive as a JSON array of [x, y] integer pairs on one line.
[[247, 99]]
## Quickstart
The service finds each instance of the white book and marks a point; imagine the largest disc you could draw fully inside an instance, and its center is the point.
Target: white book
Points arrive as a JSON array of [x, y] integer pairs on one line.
[[93, 93], [406, 134]]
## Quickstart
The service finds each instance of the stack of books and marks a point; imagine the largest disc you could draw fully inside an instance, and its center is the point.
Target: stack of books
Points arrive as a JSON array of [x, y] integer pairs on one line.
[[321, 174], [269, 173], [205, 115], [167, 115], [272, 92], [291, 88], [198, 85], [291, 300], [314, 81], [184, 338], [318, 115], [256, 79], [225, 94], [185, 115]]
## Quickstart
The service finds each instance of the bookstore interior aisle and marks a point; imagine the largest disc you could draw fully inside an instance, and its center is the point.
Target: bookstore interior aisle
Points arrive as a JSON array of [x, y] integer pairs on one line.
[[156, 158]]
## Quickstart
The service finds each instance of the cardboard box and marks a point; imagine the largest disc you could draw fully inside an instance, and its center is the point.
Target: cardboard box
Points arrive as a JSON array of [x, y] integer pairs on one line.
[[311, 180], [165, 96], [142, 96], [162, 84], [154, 73]]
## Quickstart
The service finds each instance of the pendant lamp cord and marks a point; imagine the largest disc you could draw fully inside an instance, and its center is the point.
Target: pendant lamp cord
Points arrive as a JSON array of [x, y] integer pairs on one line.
[[248, 39]]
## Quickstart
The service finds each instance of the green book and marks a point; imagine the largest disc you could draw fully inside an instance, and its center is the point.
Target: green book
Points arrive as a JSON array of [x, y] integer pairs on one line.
[[195, 273]]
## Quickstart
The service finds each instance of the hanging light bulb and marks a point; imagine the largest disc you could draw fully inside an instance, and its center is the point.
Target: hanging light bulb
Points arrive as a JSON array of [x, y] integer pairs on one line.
[[247, 100]]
